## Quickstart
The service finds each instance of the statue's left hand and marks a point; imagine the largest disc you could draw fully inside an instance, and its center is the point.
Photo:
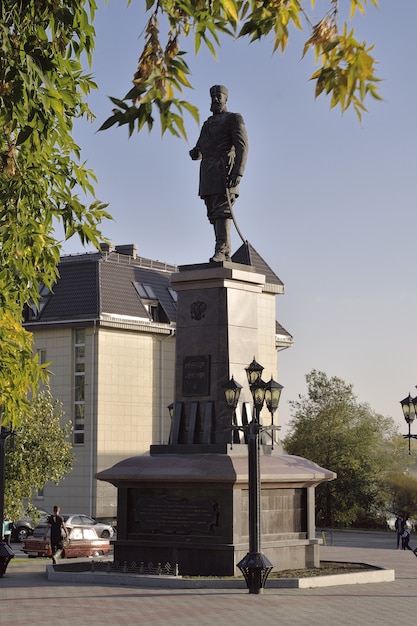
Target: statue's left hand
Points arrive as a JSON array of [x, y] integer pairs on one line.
[[233, 182]]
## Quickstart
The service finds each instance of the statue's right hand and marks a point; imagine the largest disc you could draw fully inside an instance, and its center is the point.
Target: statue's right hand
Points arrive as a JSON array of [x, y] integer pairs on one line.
[[195, 154]]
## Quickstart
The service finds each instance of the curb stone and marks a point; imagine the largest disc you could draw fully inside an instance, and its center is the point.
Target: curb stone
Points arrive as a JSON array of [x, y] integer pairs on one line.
[[373, 575]]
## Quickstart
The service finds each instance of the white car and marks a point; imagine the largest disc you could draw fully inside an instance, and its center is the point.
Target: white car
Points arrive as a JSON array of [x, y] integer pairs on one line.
[[78, 519]]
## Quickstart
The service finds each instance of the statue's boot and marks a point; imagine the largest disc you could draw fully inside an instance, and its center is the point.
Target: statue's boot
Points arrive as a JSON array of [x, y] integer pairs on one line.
[[222, 249]]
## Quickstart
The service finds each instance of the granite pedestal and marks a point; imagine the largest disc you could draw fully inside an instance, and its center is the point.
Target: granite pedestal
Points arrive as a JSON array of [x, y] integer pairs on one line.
[[191, 509], [186, 503]]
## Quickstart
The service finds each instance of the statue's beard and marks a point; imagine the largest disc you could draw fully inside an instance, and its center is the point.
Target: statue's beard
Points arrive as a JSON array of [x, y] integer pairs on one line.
[[217, 107]]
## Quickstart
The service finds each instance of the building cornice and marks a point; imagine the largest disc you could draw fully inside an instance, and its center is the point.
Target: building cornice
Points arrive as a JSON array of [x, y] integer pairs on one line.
[[107, 320]]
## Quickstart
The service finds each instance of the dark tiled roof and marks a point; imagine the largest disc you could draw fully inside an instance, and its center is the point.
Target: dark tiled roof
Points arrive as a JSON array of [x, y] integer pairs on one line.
[[119, 294], [280, 330], [93, 284], [247, 255], [75, 294]]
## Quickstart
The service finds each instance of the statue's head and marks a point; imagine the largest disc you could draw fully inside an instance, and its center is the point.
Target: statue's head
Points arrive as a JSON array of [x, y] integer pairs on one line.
[[218, 89], [218, 95]]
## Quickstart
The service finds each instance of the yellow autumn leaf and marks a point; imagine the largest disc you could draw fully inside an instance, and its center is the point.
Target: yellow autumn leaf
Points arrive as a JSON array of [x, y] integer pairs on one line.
[[230, 7]]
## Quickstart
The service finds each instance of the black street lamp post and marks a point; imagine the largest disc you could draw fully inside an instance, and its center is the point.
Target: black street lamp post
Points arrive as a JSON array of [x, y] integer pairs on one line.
[[6, 553], [409, 407], [255, 566]]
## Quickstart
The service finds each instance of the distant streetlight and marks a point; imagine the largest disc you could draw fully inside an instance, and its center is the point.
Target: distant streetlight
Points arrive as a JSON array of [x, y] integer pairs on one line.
[[255, 566], [409, 407]]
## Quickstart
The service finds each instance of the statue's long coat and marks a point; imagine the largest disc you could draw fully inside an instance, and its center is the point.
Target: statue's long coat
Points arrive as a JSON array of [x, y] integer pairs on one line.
[[223, 146]]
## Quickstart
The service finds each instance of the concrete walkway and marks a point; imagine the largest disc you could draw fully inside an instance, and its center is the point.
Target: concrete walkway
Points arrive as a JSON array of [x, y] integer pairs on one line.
[[27, 597]]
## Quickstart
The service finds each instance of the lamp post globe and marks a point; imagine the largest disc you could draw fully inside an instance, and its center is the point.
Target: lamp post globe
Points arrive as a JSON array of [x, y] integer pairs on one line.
[[272, 395], [253, 372], [232, 391], [258, 396], [409, 407]]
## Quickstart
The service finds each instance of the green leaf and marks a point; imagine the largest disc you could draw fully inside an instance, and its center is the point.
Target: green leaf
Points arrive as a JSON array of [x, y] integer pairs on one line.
[[119, 103], [111, 121], [24, 134]]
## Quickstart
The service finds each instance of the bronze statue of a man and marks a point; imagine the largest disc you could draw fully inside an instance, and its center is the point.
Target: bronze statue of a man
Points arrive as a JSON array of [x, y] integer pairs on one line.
[[222, 148]]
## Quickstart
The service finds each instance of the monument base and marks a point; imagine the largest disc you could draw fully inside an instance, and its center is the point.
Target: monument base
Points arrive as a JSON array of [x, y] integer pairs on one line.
[[191, 509]]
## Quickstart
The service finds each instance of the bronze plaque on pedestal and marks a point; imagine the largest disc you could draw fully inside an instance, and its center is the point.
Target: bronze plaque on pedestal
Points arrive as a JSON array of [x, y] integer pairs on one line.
[[196, 376], [176, 516]]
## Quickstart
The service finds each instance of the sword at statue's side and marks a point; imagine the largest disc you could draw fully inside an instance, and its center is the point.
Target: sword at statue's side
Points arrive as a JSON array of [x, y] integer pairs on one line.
[[229, 202]]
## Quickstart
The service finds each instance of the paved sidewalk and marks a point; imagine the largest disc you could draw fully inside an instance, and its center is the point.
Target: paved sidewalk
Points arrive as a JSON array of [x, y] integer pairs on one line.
[[27, 597]]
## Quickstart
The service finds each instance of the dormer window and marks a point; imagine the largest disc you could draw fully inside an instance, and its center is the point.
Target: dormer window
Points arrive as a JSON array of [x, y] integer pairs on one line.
[[145, 291], [151, 303], [173, 294], [33, 311]]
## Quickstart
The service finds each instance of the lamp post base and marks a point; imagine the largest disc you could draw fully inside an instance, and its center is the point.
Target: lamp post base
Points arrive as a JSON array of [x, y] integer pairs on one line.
[[256, 568]]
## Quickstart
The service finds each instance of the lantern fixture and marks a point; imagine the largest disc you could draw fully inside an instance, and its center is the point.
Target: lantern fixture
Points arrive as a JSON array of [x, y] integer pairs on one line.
[[409, 407], [253, 372], [232, 391]]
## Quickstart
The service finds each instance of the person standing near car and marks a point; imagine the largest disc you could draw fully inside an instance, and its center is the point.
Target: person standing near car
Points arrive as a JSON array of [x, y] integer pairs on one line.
[[405, 539], [399, 527], [57, 526], [7, 530]]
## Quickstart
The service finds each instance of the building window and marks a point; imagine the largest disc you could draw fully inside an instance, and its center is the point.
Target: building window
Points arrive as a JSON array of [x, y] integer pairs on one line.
[[145, 291], [33, 311], [79, 386], [152, 305], [173, 294], [41, 356]]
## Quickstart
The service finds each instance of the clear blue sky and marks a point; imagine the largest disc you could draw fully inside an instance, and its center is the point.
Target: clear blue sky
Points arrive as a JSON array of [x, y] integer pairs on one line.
[[329, 203]]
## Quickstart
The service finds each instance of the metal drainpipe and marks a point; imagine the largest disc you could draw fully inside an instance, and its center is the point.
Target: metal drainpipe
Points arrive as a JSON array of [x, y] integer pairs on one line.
[[92, 419], [162, 408]]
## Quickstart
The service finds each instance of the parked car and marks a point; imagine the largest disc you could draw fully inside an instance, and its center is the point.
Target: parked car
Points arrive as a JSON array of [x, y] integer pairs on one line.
[[25, 525], [78, 519], [82, 541]]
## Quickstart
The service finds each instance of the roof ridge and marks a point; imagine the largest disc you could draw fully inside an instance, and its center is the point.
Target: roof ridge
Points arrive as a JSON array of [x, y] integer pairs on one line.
[[247, 255]]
